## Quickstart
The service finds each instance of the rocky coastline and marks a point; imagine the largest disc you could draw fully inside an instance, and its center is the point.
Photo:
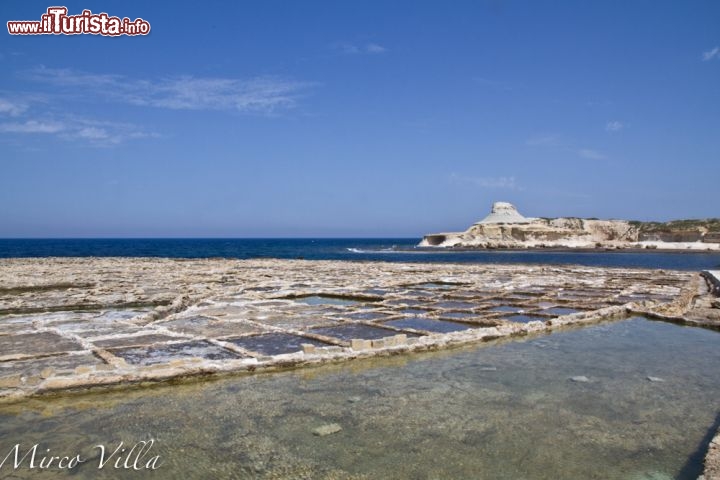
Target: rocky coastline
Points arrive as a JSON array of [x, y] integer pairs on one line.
[[76, 323], [505, 228]]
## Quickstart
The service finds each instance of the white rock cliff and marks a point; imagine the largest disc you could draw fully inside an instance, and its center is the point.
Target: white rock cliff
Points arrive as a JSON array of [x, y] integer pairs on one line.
[[505, 227]]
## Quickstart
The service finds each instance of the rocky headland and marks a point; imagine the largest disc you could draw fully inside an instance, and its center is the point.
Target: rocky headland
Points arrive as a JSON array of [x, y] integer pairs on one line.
[[506, 228]]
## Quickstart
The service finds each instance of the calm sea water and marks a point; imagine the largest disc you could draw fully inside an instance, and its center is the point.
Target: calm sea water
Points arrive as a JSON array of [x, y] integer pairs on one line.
[[378, 249]]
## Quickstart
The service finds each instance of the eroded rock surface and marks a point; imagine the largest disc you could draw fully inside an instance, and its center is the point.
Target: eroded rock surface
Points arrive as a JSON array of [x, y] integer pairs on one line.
[[78, 322]]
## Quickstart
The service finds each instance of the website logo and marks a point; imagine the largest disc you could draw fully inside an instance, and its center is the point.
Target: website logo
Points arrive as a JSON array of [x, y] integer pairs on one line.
[[57, 22]]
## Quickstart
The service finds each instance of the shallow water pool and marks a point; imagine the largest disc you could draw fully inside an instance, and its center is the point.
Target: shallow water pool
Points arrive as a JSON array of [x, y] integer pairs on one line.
[[645, 409], [326, 300]]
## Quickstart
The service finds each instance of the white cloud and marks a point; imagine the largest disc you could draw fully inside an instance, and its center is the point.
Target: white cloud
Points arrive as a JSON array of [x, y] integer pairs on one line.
[[710, 54], [8, 107], [95, 132], [263, 94], [74, 78], [31, 126], [487, 182], [101, 132], [614, 126], [375, 48], [366, 49], [591, 154]]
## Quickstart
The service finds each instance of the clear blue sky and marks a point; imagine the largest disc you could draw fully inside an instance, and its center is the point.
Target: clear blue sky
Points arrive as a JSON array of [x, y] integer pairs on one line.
[[365, 118]]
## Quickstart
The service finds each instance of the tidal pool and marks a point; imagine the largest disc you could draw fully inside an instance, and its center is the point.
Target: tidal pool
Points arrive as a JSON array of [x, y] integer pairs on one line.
[[560, 310], [428, 324], [646, 408], [326, 300]]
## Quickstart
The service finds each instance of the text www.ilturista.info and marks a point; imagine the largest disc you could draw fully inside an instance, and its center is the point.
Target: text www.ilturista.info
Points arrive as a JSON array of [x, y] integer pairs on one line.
[[57, 22]]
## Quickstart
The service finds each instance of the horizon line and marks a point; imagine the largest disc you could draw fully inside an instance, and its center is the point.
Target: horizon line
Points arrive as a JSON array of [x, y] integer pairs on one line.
[[215, 238]]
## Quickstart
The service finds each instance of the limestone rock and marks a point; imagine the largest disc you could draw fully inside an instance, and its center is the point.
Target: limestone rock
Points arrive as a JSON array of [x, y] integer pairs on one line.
[[360, 344], [11, 381], [503, 212], [505, 227], [328, 429]]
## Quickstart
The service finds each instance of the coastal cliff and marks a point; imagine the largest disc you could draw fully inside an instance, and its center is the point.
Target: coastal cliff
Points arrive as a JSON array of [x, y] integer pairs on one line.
[[505, 227]]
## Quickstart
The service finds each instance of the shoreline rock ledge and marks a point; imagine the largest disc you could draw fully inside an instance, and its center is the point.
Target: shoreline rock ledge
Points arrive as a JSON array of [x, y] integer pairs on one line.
[[506, 228]]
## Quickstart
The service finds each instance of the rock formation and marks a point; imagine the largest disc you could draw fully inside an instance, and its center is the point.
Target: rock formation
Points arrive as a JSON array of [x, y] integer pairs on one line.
[[505, 227], [503, 212]]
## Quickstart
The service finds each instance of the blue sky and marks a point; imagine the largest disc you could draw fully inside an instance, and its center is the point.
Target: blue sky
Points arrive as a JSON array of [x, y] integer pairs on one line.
[[372, 118]]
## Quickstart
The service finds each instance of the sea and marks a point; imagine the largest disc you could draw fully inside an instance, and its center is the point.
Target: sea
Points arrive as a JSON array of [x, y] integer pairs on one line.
[[345, 249]]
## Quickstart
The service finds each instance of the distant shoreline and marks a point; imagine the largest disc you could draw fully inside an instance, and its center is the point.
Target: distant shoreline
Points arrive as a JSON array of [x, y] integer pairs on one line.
[[571, 249], [506, 228]]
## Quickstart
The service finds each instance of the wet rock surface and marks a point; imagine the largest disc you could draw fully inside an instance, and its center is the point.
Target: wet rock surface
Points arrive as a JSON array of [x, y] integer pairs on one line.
[[101, 321]]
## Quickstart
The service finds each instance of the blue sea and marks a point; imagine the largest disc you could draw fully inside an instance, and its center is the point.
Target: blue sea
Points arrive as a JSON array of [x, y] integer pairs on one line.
[[352, 249]]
